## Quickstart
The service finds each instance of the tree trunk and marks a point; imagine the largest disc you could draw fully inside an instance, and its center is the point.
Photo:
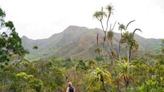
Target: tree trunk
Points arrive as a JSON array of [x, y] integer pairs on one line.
[[130, 53], [103, 84], [112, 52], [119, 48]]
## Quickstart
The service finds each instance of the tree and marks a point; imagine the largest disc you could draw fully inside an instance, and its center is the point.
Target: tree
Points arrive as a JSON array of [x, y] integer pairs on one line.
[[128, 38], [110, 36], [132, 42], [122, 28], [99, 15], [102, 16], [98, 51], [124, 76], [35, 47], [10, 43], [98, 79]]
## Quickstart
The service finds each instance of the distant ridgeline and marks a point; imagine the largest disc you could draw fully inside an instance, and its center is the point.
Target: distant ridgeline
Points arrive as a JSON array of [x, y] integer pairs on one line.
[[78, 42]]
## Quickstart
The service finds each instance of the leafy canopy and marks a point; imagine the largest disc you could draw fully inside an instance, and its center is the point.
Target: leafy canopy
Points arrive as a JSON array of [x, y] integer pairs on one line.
[[10, 42]]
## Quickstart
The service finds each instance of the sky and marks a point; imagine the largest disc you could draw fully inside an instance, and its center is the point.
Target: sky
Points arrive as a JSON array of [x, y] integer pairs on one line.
[[38, 19]]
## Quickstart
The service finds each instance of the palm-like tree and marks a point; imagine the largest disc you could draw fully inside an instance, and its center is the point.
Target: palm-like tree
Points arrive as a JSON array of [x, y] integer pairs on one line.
[[98, 51], [99, 15], [109, 9], [108, 33], [124, 78], [110, 36], [97, 39], [122, 28], [99, 76], [132, 42], [128, 38]]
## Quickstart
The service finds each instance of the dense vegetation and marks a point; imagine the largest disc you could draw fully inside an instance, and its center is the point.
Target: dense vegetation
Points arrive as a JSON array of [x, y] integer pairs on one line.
[[143, 74], [120, 72]]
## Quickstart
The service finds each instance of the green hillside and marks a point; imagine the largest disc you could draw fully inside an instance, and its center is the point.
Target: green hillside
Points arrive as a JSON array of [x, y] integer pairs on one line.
[[77, 42]]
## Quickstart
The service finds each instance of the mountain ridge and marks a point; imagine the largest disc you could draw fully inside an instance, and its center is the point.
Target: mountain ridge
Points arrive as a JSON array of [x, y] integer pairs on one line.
[[77, 42]]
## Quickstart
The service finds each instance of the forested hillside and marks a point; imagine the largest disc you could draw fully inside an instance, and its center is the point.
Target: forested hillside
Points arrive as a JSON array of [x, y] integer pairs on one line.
[[78, 42], [81, 59]]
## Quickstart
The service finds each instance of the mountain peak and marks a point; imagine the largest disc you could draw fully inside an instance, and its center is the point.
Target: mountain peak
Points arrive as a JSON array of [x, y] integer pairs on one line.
[[25, 37], [76, 41], [74, 28]]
